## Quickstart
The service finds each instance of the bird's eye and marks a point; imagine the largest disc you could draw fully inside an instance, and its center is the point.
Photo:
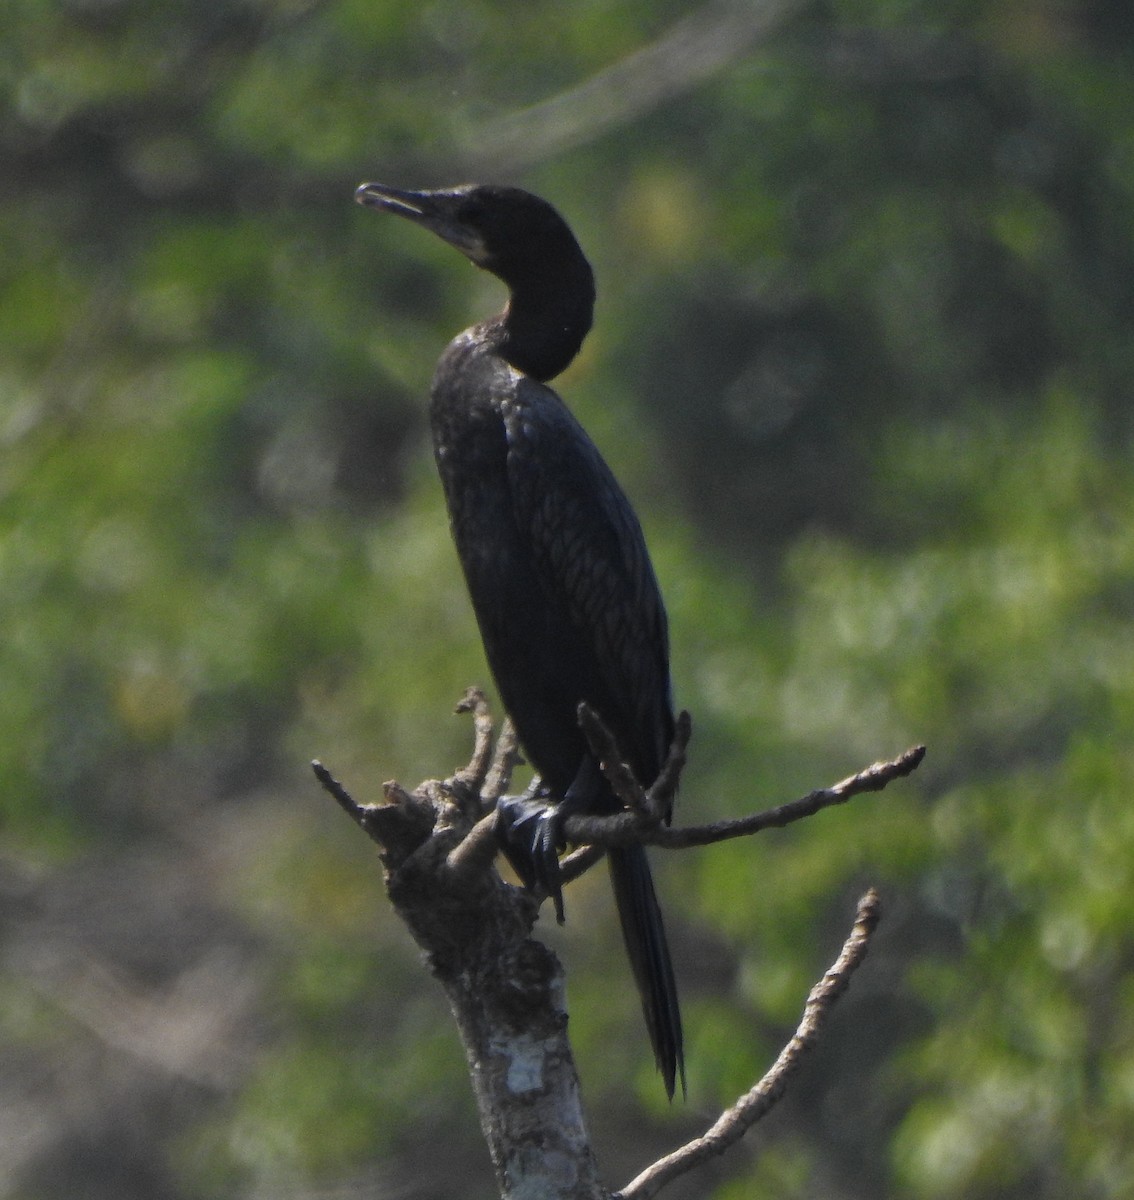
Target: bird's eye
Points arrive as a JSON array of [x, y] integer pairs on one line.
[[471, 212]]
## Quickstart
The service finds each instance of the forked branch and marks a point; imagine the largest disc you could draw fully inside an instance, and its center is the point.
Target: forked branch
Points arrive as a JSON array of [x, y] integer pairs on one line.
[[642, 820], [438, 845]]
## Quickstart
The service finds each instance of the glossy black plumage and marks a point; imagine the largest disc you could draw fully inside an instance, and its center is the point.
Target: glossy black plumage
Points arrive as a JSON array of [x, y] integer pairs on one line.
[[556, 565]]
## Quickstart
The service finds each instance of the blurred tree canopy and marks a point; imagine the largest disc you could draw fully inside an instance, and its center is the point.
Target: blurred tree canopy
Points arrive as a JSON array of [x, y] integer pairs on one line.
[[862, 359]]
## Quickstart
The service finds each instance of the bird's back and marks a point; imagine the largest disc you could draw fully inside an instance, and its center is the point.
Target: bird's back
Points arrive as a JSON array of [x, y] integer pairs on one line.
[[567, 602]]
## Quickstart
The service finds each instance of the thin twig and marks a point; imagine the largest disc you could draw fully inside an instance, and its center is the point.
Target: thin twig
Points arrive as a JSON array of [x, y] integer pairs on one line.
[[609, 755], [871, 779], [499, 775], [663, 790], [629, 828], [579, 862], [654, 803], [474, 775], [475, 853], [736, 1121], [695, 49], [330, 784]]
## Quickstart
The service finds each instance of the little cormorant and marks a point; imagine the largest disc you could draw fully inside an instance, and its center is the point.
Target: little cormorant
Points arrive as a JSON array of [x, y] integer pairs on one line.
[[561, 583]]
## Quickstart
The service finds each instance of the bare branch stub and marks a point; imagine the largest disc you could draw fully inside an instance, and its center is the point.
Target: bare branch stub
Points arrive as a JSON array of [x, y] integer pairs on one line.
[[645, 808], [750, 1108], [339, 793], [408, 817], [474, 775], [477, 852], [663, 790], [505, 760], [604, 747]]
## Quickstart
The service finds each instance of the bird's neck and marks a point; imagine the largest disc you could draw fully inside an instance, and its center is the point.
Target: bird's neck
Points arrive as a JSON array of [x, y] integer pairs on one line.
[[542, 328]]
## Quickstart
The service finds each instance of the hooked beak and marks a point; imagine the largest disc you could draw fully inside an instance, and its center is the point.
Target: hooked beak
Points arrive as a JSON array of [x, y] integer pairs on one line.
[[437, 211]]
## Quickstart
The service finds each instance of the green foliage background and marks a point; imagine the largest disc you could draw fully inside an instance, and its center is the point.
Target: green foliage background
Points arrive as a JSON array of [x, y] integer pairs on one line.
[[862, 359]]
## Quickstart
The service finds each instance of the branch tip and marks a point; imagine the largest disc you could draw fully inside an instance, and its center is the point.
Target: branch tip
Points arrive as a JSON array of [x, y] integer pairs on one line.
[[473, 775], [332, 786], [474, 700]]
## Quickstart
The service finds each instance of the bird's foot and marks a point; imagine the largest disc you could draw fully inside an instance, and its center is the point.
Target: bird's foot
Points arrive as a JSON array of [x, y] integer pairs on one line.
[[529, 830]]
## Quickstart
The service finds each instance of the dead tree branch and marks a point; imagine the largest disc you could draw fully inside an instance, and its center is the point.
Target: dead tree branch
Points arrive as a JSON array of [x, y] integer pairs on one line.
[[642, 820], [734, 1123], [438, 846], [692, 51], [506, 990]]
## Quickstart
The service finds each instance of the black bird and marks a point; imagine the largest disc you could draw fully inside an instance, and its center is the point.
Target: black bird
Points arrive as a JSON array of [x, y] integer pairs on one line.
[[564, 593]]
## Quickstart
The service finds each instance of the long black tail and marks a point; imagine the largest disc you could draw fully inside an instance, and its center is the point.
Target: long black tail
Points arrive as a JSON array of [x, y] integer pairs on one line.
[[644, 934]]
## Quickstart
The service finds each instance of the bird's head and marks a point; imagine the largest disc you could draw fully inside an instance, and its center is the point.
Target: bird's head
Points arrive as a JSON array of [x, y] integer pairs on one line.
[[515, 235]]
